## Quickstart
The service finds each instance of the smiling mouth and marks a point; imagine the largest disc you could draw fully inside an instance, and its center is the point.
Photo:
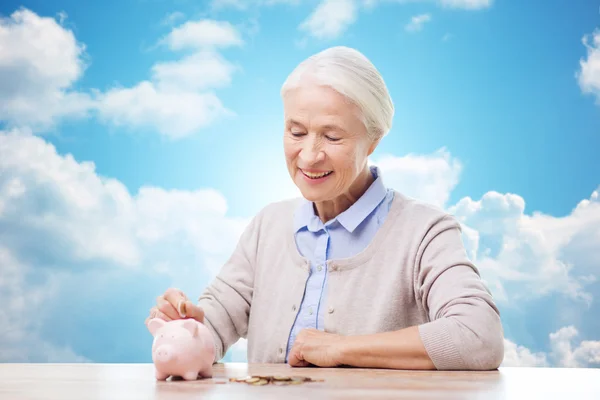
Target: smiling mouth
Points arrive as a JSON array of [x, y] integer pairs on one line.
[[320, 175]]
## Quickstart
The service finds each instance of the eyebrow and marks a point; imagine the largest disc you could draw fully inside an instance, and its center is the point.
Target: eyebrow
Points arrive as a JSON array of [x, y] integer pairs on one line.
[[294, 122], [325, 127], [334, 127]]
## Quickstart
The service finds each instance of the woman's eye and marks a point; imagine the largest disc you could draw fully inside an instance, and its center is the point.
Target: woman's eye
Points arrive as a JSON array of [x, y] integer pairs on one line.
[[332, 138], [297, 134]]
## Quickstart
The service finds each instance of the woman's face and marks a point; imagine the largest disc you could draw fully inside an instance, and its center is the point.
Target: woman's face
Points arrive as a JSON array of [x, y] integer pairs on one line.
[[326, 144]]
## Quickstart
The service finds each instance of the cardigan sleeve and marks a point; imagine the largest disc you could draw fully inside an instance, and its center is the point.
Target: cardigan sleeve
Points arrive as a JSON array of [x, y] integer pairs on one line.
[[465, 331], [227, 300]]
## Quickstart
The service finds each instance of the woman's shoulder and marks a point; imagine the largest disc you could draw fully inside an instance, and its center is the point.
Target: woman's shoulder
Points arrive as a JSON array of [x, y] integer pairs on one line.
[[413, 211]]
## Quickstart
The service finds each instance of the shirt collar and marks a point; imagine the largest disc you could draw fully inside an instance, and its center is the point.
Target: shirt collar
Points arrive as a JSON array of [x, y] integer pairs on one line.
[[351, 218]]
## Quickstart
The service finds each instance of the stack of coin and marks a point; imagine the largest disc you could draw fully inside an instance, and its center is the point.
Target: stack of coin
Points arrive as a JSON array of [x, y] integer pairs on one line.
[[278, 380]]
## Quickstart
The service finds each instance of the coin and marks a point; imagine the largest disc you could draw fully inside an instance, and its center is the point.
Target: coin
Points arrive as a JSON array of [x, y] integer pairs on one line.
[[300, 378], [181, 309], [278, 380]]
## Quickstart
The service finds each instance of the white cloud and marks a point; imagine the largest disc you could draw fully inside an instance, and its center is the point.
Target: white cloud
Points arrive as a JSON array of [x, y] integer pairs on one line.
[[59, 218], [520, 356], [21, 339], [429, 178], [172, 18], [459, 4], [563, 352], [589, 74], [417, 22], [528, 256], [199, 71], [466, 4], [218, 5], [175, 114], [586, 354], [40, 60], [330, 19], [93, 218], [179, 100], [86, 215], [203, 34]]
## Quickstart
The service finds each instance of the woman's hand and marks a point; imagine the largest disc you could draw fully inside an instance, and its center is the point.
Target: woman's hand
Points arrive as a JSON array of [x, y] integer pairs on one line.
[[174, 304], [316, 347]]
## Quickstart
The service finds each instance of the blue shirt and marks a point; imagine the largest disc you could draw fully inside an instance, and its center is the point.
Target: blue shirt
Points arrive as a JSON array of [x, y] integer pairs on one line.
[[344, 236]]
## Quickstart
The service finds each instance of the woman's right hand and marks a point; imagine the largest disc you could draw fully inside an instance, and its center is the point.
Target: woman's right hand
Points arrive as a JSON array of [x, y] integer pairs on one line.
[[174, 304]]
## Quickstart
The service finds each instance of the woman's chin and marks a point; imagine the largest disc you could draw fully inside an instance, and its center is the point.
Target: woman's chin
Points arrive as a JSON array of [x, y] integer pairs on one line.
[[313, 194]]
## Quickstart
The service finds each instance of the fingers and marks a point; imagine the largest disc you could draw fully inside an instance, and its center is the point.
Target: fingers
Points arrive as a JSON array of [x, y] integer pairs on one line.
[[168, 303], [174, 296], [301, 364], [155, 313], [295, 360], [167, 308], [174, 304], [193, 311]]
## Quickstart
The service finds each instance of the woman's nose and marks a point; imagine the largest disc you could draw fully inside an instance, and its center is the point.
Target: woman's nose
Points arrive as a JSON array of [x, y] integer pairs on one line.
[[311, 152]]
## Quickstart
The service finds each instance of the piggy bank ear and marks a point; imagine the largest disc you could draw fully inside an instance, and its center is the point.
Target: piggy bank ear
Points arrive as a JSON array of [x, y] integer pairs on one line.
[[191, 325], [155, 324]]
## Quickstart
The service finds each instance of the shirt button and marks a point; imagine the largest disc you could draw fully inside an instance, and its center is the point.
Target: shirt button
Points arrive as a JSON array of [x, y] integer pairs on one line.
[[310, 311], [319, 268], [280, 350], [294, 307], [330, 310]]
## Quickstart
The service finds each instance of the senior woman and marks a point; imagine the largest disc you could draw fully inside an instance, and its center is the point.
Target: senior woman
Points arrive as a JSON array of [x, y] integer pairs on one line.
[[353, 273]]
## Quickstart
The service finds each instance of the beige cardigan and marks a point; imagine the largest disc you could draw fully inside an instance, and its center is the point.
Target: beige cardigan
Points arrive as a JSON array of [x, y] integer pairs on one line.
[[414, 272]]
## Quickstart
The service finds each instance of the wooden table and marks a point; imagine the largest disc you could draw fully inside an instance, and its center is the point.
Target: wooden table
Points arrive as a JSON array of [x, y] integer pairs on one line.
[[136, 381]]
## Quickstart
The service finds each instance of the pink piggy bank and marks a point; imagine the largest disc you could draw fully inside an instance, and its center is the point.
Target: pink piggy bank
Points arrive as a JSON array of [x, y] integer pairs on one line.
[[182, 347]]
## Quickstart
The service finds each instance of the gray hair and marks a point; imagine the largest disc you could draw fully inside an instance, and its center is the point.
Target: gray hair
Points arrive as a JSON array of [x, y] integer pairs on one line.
[[351, 74]]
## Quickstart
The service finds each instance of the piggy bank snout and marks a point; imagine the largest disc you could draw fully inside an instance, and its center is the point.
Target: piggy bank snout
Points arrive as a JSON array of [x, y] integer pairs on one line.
[[165, 353]]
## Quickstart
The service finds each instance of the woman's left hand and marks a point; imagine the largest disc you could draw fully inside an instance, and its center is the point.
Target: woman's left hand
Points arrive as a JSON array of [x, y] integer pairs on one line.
[[315, 347]]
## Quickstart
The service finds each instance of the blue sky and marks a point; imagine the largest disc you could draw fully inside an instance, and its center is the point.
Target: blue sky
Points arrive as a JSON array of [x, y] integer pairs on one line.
[[141, 127]]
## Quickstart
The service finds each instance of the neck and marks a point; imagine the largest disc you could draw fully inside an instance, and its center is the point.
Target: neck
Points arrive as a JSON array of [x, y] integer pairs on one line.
[[329, 209]]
